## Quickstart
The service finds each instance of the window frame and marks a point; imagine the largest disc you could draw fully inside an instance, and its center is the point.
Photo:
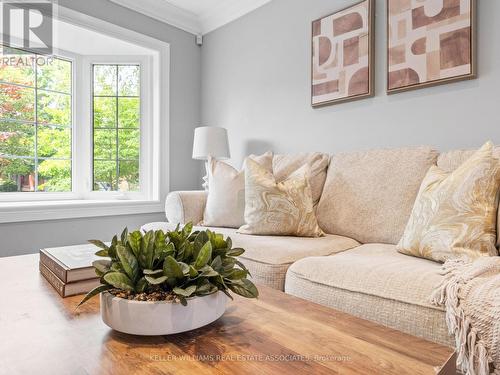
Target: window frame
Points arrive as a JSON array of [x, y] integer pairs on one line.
[[82, 133], [51, 196], [146, 156], [64, 208]]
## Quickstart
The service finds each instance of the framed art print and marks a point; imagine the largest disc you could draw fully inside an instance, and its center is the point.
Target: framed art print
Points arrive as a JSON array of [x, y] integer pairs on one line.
[[343, 55], [430, 42]]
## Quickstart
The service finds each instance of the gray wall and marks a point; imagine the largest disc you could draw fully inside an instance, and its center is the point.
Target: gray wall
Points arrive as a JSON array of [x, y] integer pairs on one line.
[[26, 238], [185, 76], [256, 83], [23, 238]]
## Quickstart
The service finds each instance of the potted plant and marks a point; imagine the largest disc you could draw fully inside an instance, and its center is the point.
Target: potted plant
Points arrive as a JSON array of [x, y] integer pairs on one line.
[[159, 283]]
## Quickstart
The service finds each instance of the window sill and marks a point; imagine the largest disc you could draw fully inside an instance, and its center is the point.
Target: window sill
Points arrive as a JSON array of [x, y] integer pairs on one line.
[[12, 212]]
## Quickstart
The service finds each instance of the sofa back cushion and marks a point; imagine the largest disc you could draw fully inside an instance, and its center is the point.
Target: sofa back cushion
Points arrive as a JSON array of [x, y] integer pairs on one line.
[[369, 196], [451, 160], [285, 166]]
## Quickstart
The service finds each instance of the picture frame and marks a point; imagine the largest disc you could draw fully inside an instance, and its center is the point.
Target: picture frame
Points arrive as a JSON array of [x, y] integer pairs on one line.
[[447, 38], [343, 55]]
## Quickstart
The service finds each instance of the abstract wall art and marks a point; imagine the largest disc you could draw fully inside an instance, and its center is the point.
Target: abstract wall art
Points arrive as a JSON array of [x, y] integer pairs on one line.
[[343, 55], [430, 42]]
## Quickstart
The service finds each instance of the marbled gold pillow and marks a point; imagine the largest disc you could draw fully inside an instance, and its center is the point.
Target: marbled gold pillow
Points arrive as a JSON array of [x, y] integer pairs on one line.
[[455, 213], [280, 209]]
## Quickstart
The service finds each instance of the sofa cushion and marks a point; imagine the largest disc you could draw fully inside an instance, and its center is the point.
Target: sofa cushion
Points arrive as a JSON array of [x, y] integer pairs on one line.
[[451, 160], [268, 257], [285, 165], [377, 283], [369, 195], [455, 213], [278, 209]]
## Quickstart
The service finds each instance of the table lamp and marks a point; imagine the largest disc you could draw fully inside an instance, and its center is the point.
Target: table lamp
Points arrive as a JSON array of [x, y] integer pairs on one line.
[[210, 141]]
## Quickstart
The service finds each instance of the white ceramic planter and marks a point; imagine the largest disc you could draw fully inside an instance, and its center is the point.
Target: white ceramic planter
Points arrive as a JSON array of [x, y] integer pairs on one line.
[[161, 318]]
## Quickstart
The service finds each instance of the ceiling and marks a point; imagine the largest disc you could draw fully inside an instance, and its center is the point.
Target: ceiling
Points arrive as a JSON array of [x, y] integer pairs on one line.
[[194, 16]]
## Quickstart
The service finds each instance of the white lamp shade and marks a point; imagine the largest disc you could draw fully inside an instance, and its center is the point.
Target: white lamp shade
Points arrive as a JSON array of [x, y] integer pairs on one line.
[[210, 141]]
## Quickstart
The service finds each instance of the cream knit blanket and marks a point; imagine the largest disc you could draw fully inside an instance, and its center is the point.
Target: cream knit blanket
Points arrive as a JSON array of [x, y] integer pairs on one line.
[[471, 294]]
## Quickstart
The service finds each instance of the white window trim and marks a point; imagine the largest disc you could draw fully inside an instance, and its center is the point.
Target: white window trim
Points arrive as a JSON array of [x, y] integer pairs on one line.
[[155, 162], [147, 158]]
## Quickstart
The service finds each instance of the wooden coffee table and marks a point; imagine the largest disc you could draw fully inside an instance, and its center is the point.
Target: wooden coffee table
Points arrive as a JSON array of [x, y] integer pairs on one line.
[[41, 333]]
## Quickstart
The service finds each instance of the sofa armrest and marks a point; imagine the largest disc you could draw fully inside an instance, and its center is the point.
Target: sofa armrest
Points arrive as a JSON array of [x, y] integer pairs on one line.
[[185, 206]]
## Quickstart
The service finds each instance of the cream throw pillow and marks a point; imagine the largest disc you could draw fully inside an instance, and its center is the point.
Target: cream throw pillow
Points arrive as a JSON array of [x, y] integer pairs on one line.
[[226, 192], [455, 213], [280, 209], [285, 165]]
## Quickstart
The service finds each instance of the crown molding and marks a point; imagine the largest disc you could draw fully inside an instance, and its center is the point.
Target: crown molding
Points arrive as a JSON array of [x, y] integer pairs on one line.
[[163, 11], [226, 11]]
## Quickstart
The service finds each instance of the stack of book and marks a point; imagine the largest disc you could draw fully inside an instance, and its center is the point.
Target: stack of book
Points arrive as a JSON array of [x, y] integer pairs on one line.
[[69, 269]]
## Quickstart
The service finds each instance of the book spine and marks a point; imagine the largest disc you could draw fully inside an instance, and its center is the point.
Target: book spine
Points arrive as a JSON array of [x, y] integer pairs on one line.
[[52, 279], [52, 265]]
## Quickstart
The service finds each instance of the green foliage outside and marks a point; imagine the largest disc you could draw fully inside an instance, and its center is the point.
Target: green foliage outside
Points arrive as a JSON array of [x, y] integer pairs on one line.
[[116, 164]]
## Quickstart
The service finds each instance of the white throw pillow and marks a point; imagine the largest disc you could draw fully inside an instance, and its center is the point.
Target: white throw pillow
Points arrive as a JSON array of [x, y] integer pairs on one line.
[[226, 192]]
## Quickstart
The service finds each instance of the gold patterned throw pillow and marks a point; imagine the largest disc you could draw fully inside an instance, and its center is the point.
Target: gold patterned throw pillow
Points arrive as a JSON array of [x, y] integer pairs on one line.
[[278, 208], [455, 213]]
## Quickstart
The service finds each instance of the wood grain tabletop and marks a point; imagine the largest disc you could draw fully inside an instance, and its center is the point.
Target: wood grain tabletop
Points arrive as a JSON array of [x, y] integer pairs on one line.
[[41, 333]]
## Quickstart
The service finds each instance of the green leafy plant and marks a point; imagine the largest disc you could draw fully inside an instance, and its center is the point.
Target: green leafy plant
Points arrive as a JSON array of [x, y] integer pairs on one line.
[[181, 262]]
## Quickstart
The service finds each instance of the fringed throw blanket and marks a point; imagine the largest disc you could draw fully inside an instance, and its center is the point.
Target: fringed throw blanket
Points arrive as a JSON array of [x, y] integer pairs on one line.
[[470, 293]]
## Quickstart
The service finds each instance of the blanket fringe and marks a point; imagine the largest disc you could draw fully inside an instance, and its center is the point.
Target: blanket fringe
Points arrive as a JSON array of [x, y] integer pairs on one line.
[[472, 355]]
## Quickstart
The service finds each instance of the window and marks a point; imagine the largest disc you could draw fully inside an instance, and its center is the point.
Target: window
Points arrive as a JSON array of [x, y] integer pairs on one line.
[[50, 166], [116, 127], [35, 122]]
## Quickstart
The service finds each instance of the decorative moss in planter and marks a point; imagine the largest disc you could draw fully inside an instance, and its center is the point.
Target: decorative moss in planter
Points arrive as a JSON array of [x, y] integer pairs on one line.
[[147, 276]]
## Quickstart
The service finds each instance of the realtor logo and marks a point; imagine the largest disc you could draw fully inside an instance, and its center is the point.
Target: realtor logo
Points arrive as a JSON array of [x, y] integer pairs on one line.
[[28, 25]]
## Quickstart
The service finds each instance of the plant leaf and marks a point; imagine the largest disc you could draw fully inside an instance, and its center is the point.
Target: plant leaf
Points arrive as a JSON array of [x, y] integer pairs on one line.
[[204, 256], [128, 262], [228, 264], [216, 263], [146, 253], [152, 272], [117, 267], [186, 231], [124, 237], [235, 252], [102, 253], [218, 241], [183, 301], [99, 244], [207, 271], [94, 292], [192, 272], [185, 292], [237, 274], [160, 244], [242, 267], [200, 240], [119, 281], [102, 265], [134, 241], [244, 287], [184, 268], [156, 281], [172, 269], [141, 285], [206, 289], [226, 293]]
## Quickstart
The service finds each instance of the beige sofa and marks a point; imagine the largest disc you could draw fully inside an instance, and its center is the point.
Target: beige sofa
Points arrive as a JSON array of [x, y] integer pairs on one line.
[[366, 201]]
